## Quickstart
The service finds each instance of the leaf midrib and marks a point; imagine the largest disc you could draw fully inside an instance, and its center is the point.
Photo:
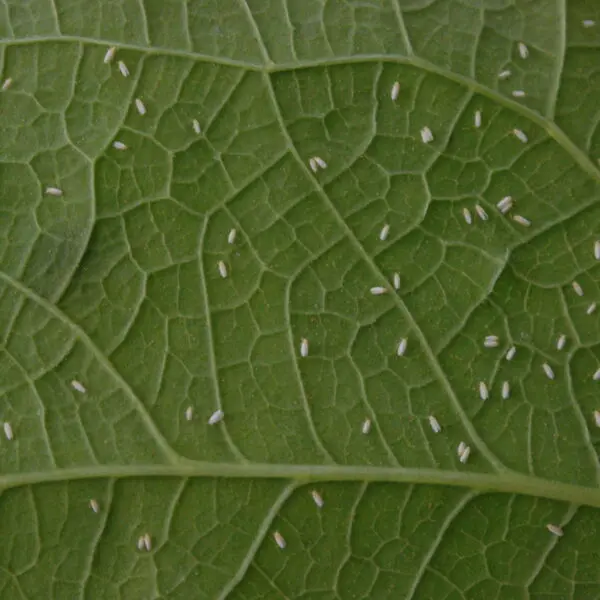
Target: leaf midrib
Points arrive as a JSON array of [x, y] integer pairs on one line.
[[506, 482]]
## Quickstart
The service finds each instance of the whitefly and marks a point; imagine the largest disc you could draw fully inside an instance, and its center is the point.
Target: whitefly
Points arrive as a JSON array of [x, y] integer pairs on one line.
[[520, 135], [481, 212], [555, 530], [491, 341], [318, 499], [402, 344], [523, 50], [383, 234], [78, 386], [378, 291], [521, 220], [304, 348], [434, 424], [426, 135], [505, 204], [279, 540], [484, 392], [123, 68], [548, 371], [216, 417], [110, 54], [140, 106]]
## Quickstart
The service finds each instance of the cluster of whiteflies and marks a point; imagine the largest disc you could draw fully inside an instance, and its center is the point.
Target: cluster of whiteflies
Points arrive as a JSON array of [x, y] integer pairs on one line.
[[504, 206]]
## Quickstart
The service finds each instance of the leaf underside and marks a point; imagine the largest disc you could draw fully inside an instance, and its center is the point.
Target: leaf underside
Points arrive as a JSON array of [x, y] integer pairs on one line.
[[116, 284]]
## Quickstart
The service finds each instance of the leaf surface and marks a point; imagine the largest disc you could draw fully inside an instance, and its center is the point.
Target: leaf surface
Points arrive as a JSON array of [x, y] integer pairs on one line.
[[115, 284]]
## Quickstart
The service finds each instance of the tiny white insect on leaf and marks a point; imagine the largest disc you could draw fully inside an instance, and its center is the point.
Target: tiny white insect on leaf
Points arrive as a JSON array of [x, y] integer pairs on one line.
[[147, 542], [320, 162], [383, 234], [523, 50], [518, 93], [396, 280], [481, 212], [140, 106], [597, 418], [426, 135], [484, 393], [477, 119], [577, 288], [561, 341], [596, 375], [395, 91], [521, 220], [94, 505], [461, 448], [505, 204], [222, 269], [119, 145], [189, 413], [504, 74], [54, 191], [520, 135], [78, 386], [8, 431], [313, 165], [279, 540], [366, 426], [435, 424], [231, 236], [378, 290], [511, 353], [491, 341], [587, 23], [467, 216], [548, 370], [402, 344], [140, 543], [505, 390], [464, 457], [555, 529], [597, 249], [304, 348], [317, 498], [216, 417], [196, 126], [123, 68], [591, 308], [110, 54], [6, 83]]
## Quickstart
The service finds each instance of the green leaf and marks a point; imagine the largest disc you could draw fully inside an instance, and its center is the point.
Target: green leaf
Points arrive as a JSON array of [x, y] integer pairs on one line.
[[115, 284]]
